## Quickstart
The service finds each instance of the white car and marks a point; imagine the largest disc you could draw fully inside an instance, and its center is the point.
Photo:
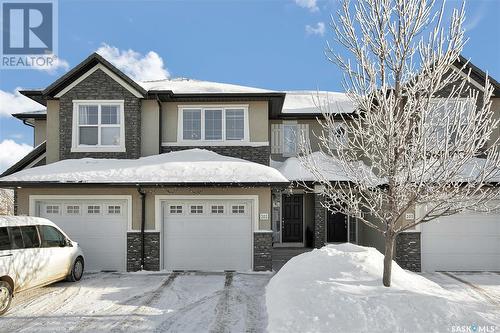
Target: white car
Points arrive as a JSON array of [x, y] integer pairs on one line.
[[34, 252]]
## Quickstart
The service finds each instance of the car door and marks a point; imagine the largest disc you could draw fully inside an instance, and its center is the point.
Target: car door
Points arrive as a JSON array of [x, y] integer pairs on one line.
[[55, 252], [25, 245]]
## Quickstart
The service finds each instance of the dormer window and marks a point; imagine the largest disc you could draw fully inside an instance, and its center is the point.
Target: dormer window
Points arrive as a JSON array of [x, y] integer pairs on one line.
[[98, 126], [213, 124]]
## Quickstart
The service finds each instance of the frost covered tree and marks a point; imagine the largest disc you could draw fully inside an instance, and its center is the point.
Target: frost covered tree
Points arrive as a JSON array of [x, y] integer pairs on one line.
[[6, 202], [419, 125]]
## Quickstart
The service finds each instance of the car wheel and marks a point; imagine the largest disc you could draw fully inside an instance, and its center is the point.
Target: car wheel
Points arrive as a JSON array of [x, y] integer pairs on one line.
[[77, 270], [5, 296]]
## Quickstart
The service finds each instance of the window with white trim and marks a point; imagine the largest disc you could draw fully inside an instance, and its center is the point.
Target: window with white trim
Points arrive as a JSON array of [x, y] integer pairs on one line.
[[238, 209], [213, 123], [338, 135], [93, 209], [98, 126], [175, 209], [217, 209], [72, 209], [52, 209], [289, 139], [441, 114], [235, 124], [114, 209], [196, 209]]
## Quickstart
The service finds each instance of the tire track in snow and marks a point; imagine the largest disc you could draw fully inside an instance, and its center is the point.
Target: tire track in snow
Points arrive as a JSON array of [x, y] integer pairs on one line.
[[33, 320], [151, 297], [478, 289], [223, 310]]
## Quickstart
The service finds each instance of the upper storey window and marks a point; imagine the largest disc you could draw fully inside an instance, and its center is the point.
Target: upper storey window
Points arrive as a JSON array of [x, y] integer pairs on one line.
[[228, 123], [98, 126]]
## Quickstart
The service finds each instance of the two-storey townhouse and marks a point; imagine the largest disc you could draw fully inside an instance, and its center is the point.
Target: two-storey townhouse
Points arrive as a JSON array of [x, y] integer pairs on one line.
[[192, 175]]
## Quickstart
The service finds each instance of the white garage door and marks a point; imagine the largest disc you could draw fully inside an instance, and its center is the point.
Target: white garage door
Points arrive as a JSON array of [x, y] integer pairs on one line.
[[207, 235], [465, 242], [99, 227]]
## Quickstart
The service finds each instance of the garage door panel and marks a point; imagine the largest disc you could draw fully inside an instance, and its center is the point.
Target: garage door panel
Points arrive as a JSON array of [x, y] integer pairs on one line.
[[471, 225], [462, 242], [459, 244], [102, 236], [207, 241]]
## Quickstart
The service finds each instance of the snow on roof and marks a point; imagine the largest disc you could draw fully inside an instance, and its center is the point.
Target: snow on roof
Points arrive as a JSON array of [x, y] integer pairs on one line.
[[186, 166], [190, 86], [292, 169], [316, 102]]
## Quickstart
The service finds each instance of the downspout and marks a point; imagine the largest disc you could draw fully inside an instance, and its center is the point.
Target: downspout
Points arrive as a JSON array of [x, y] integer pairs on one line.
[[143, 222], [160, 116]]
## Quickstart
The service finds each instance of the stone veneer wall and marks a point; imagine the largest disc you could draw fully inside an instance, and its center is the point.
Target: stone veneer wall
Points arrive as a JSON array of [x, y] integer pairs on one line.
[[99, 86], [259, 154], [262, 251], [319, 221], [151, 251], [408, 251], [15, 202]]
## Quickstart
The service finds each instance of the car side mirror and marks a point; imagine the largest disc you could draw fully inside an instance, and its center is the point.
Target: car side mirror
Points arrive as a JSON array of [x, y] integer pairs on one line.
[[65, 242]]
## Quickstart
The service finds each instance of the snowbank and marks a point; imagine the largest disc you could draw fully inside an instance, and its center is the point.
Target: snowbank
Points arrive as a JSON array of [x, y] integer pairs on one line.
[[186, 166], [317, 102], [338, 288]]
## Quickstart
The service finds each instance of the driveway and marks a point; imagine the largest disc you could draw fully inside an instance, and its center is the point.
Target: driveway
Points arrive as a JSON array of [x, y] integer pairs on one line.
[[153, 302], [478, 286]]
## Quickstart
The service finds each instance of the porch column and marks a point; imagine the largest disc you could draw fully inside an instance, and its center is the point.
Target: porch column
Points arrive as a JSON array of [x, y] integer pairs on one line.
[[319, 220]]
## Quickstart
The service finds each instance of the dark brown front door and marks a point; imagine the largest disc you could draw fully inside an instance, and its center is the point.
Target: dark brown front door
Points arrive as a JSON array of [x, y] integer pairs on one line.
[[336, 228], [292, 219]]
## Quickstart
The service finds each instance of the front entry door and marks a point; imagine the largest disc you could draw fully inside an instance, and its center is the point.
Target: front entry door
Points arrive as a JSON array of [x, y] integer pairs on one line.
[[336, 230], [292, 219]]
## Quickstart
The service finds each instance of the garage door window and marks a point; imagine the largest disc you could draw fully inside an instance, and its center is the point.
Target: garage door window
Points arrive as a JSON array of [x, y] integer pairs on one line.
[[52, 209], [93, 209], [114, 210], [217, 209], [51, 237], [196, 209], [175, 209], [238, 209], [72, 210]]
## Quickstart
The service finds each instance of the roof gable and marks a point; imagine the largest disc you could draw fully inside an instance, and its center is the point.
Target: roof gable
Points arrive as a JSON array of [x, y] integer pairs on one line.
[[84, 69]]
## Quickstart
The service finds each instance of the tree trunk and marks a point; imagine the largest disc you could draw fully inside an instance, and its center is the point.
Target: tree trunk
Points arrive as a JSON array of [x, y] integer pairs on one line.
[[389, 251]]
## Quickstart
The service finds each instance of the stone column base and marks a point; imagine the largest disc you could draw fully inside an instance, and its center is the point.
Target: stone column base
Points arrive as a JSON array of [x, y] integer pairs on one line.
[[408, 251], [262, 251], [151, 251], [319, 221]]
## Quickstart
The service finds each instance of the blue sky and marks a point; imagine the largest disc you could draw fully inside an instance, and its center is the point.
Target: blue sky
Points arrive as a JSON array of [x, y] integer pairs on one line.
[[257, 43]]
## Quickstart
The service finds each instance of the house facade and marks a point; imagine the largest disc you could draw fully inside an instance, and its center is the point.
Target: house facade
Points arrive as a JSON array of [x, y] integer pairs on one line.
[[193, 175]]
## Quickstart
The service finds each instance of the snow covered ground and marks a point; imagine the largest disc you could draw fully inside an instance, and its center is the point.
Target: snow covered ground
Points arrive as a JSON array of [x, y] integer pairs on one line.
[[338, 289], [335, 289], [137, 302]]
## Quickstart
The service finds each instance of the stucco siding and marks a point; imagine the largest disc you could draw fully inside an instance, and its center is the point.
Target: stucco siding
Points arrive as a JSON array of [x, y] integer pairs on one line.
[[150, 127], [52, 131], [258, 119], [263, 193], [39, 131]]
